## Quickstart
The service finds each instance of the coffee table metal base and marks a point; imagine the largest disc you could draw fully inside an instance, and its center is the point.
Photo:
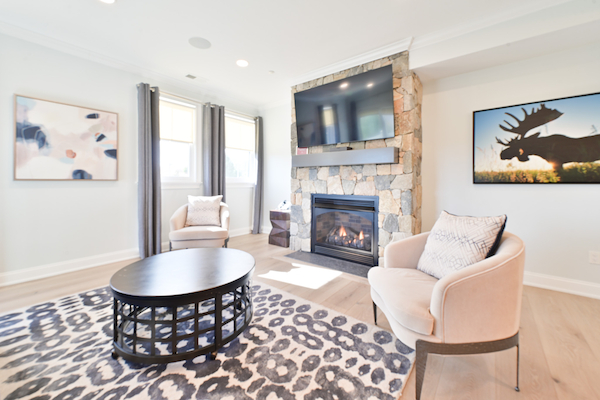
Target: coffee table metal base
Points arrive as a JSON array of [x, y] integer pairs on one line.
[[151, 330]]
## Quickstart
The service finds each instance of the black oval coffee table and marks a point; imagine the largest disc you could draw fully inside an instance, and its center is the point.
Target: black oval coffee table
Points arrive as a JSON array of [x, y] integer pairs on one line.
[[181, 304]]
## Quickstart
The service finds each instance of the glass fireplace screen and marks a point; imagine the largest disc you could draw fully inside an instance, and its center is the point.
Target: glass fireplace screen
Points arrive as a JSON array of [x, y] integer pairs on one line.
[[345, 229]]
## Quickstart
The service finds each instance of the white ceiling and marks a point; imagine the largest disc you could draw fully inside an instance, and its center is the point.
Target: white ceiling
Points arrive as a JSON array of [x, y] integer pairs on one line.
[[293, 38]]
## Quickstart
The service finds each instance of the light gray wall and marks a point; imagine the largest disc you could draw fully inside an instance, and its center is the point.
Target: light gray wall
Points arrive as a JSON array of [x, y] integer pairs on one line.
[[52, 227], [560, 224], [278, 162]]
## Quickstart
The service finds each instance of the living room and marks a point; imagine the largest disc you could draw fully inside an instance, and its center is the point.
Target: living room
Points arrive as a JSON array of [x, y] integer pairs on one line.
[[497, 56]]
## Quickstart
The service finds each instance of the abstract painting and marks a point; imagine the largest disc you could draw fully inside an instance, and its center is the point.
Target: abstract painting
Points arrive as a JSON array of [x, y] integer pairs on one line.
[[553, 141], [55, 141]]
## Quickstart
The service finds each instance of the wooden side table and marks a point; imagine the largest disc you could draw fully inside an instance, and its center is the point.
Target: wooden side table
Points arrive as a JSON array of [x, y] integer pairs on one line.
[[280, 234]]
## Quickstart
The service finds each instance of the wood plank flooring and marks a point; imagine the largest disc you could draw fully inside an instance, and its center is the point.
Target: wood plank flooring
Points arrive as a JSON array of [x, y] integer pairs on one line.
[[560, 333]]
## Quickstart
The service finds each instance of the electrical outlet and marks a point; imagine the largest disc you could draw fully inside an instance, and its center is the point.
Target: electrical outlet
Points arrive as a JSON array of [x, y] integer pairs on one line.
[[594, 257]]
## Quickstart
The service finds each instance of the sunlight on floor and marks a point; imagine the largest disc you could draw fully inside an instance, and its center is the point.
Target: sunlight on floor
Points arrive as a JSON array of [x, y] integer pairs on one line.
[[304, 275]]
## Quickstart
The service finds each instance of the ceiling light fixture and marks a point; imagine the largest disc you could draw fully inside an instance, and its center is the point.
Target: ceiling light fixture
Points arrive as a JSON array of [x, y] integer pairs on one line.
[[199, 43], [242, 63], [108, 1], [271, 72], [370, 84], [344, 85], [190, 76]]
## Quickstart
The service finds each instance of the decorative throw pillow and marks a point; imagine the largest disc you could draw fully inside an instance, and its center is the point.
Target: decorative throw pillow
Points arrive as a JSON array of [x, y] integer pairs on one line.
[[204, 210], [456, 242]]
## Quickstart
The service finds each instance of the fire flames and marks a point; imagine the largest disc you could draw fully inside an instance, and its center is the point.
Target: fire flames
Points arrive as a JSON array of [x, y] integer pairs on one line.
[[341, 236]]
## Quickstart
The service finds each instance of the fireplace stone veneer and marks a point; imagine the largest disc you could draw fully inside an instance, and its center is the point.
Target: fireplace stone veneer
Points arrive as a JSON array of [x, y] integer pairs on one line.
[[398, 185]]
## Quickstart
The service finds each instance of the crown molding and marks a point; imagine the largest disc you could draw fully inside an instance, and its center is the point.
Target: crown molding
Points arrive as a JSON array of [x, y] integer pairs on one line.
[[68, 48], [495, 19], [419, 42], [384, 51]]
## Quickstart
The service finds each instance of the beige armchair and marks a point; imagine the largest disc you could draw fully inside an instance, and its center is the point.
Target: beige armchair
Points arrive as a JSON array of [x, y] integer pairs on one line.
[[474, 310], [184, 237]]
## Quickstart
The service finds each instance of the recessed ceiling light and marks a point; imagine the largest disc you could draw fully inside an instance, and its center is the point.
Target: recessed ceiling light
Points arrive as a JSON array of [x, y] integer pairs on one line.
[[242, 63], [200, 43], [344, 85], [108, 1], [370, 84], [190, 76], [271, 72]]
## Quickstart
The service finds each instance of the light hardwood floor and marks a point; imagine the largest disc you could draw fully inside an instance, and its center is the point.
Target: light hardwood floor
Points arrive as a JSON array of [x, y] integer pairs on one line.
[[560, 333]]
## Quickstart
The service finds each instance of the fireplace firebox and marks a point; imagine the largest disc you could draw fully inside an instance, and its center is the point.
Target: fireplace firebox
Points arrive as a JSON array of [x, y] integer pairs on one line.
[[345, 227]]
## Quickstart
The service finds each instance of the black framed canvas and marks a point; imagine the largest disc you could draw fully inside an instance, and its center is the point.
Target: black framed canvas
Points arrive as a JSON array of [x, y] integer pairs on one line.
[[552, 141]]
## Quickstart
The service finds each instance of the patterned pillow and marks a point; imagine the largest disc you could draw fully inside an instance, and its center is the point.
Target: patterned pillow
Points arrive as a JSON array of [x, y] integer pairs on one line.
[[456, 242], [204, 210]]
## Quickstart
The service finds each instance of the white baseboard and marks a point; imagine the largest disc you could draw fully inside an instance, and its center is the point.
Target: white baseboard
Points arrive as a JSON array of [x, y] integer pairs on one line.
[[240, 232], [63, 267], [566, 285], [266, 229]]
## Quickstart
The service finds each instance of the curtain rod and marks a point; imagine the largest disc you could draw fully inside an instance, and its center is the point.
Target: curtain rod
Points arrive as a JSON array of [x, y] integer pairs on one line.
[[227, 110], [151, 89]]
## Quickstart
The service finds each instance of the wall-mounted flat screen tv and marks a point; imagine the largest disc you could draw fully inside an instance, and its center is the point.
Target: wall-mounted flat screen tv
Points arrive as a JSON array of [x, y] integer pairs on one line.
[[349, 110]]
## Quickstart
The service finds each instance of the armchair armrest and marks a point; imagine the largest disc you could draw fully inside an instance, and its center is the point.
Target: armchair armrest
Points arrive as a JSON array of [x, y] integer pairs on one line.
[[405, 253], [225, 216], [481, 302], [178, 218]]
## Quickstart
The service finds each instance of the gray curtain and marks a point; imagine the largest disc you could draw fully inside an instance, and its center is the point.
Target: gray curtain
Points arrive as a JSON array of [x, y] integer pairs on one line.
[[148, 171], [213, 141], [258, 190]]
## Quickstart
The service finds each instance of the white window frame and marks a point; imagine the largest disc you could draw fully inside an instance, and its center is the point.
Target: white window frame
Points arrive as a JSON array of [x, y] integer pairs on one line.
[[243, 182], [194, 181]]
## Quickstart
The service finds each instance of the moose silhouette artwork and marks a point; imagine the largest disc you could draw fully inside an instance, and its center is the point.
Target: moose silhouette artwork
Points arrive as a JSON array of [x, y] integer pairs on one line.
[[539, 152], [556, 149]]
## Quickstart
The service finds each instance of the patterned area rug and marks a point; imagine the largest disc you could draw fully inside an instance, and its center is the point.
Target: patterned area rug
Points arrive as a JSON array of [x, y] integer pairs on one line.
[[293, 349]]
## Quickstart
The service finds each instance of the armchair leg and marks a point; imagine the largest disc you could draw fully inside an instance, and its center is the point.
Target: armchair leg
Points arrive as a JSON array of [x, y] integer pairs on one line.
[[226, 240], [170, 246], [424, 348], [518, 362], [375, 312]]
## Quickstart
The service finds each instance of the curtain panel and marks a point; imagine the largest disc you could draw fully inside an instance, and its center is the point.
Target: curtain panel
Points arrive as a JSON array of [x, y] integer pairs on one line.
[[149, 194], [258, 190], [213, 145]]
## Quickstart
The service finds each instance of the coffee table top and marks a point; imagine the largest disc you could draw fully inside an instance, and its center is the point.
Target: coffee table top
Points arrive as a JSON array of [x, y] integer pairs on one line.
[[182, 272]]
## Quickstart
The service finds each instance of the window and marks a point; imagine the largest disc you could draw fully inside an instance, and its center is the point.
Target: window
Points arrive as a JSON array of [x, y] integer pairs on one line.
[[178, 143], [240, 160]]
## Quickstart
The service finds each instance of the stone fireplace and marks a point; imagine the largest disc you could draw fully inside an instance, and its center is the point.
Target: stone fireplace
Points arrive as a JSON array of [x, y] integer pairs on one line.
[[396, 185]]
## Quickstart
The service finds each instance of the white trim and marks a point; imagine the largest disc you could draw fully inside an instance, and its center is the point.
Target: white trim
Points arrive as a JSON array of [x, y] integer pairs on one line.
[[393, 48], [566, 285], [63, 267], [240, 231], [266, 229], [480, 24], [419, 42], [240, 116], [74, 50]]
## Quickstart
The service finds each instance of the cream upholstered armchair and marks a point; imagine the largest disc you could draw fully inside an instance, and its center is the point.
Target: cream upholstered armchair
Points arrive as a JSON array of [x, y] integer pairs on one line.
[[473, 310], [184, 237]]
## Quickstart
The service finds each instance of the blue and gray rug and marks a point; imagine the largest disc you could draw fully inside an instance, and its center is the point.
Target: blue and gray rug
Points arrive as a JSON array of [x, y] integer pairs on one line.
[[293, 349]]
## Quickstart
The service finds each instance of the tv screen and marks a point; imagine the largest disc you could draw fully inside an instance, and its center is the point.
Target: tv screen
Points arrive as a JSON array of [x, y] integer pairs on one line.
[[349, 110]]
